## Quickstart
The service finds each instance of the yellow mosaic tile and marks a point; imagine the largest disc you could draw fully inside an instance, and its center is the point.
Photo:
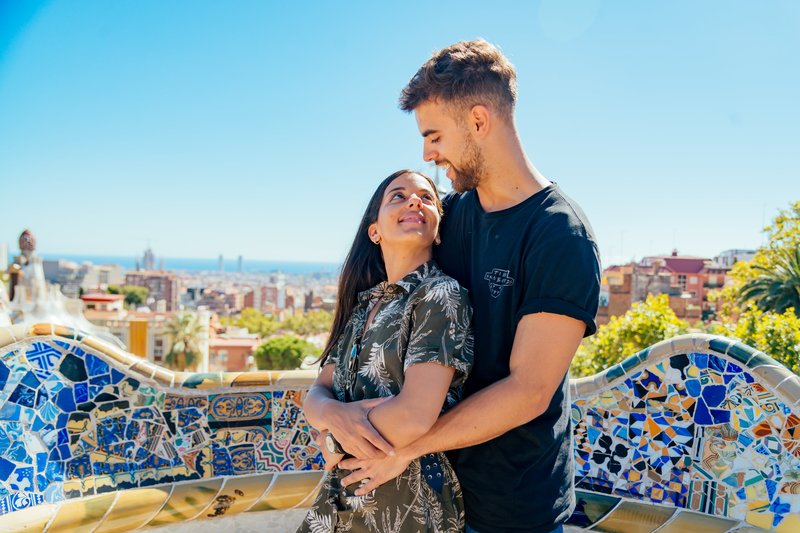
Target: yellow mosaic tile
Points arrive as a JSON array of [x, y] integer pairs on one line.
[[133, 509], [237, 495], [763, 520], [109, 351], [227, 379], [288, 490], [632, 517], [790, 524], [296, 378], [10, 335], [697, 523], [32, 519], [64, 331], [144, 368], [164, 377], [82, 515], [252, 379], [198, 381], [187, 501], [312, 495], [40, 329]]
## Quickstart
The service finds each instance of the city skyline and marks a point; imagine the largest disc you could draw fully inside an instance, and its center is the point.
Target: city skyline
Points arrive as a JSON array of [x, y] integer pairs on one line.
[[261, 130]]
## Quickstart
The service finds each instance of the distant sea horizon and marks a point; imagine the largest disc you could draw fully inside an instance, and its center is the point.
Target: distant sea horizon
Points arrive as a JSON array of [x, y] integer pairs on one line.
[[185, 264]]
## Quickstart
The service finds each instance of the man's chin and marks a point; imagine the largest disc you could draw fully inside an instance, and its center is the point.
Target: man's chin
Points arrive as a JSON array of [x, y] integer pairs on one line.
[[461, 186]]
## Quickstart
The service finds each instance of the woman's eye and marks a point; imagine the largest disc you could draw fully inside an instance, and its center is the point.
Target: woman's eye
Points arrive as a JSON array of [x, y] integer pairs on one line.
[[399, 195]]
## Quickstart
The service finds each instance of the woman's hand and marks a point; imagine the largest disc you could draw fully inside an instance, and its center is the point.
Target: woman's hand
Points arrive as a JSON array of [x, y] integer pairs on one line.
[[331, 459], [350, 424]]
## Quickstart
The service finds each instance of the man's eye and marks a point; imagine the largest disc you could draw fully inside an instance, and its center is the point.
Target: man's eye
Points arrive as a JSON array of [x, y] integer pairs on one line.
[[435, 141]]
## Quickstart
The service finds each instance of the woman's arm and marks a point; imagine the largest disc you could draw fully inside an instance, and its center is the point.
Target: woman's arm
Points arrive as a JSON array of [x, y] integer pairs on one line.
[[347, 421], [409, 415], [320, 393]]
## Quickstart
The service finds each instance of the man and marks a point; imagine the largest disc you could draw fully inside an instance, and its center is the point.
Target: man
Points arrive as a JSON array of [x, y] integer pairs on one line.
[[526, 253]]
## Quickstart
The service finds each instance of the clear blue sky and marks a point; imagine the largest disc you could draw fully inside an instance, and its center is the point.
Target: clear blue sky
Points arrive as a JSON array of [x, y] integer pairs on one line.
[[261, 128]]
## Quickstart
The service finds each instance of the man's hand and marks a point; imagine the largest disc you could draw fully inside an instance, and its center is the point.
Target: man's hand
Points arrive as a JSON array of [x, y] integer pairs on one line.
[[349, 424], [331, 459], [375, 471]]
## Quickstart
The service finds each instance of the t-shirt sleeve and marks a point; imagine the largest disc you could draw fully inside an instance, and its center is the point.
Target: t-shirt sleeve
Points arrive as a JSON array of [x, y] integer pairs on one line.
[[563, 278], [440, 325]]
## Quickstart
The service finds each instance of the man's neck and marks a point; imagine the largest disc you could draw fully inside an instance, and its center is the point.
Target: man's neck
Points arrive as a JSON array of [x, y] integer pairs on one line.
[[510, 178]]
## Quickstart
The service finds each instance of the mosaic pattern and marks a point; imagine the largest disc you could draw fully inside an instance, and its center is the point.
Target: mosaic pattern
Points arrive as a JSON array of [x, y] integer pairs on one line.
[[694, 431], [695, 434], [74, 424]]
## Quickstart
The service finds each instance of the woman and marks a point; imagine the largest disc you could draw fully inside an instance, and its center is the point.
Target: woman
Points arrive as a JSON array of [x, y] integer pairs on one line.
[[401, 333]]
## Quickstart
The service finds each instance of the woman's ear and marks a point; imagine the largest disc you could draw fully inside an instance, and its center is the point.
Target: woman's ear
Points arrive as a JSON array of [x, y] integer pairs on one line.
[[373, 234]]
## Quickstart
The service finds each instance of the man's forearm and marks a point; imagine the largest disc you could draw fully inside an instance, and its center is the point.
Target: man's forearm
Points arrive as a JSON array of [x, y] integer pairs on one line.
[[483, 416]]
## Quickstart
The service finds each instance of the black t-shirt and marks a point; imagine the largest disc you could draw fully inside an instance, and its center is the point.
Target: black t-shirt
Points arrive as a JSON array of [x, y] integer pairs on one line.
[[537, 256]]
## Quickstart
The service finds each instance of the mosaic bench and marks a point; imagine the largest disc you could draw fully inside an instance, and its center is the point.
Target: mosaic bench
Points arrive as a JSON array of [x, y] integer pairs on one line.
[[698, 433]]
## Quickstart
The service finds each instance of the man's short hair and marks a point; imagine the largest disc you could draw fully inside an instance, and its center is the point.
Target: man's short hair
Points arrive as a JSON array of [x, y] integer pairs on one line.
[[466, 74]]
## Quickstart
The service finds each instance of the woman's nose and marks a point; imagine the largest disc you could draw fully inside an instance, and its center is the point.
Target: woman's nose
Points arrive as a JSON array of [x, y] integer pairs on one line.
[[414, 200]]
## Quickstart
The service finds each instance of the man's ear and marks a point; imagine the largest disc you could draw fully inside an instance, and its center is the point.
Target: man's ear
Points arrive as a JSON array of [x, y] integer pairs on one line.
[[480, 120]]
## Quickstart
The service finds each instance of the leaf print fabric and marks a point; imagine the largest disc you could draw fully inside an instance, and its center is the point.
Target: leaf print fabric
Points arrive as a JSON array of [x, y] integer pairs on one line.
[[423, 318]]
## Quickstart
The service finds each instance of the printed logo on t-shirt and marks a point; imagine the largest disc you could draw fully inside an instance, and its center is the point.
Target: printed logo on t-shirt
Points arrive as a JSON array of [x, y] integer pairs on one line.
[[498, 279]]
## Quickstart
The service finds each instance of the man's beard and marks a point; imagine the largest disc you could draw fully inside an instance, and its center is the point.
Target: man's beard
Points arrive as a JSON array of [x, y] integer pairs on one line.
[[468, 175]]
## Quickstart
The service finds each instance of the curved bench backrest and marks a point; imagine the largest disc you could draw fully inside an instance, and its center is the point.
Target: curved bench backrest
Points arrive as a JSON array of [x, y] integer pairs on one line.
[[698, 423], [694, 432]]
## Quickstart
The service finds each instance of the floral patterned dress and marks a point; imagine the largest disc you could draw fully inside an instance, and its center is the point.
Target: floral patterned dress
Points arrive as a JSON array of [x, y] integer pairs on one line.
[[424, 318]]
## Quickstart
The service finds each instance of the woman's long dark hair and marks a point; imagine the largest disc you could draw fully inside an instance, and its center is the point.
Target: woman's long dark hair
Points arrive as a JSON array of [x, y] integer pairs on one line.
[[363, 267]]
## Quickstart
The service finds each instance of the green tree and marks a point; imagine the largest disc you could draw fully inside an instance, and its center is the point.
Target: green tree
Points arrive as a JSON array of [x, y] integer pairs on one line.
[[783, 236], [645, 324], [775, 334], [284, 353], [254, 321], [134, 295], [311, 323], [776, 287], [185, 331]]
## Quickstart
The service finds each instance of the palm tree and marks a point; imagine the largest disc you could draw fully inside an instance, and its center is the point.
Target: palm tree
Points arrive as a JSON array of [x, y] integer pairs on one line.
[[777, 286], [185, 331]]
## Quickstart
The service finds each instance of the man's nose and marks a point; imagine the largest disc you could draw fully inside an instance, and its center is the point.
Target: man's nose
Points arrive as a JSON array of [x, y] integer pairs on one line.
[[428, 154]]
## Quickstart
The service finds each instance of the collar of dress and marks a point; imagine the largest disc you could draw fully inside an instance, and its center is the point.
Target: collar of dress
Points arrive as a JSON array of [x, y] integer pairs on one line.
[[386, 292]]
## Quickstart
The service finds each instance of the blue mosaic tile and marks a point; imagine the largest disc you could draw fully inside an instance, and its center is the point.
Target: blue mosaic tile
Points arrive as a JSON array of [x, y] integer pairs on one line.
[[43, 358], [73, 368], [65, 400], [95, 365], [81, 392], [4, 373], [6, 468], [23, 396]]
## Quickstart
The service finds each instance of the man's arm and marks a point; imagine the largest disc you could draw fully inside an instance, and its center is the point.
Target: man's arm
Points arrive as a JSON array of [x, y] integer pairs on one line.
[[543, 348]]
